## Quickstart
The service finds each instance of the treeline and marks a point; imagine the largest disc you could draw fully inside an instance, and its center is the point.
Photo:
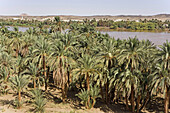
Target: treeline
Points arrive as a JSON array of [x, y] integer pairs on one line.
[[153, 24], [98, 67], [31, 23]]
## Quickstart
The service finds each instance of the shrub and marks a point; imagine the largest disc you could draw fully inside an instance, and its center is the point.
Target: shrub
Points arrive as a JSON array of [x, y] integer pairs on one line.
[[39, 101]]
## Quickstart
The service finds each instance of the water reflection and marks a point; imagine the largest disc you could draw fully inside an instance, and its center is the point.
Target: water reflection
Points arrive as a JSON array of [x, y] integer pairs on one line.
[[156, 38]]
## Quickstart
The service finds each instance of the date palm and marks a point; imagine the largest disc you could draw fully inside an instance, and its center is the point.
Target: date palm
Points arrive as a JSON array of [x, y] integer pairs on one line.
[[26, 41], [87, 66], [163, 75], [165, 55], [7, 61], [147, 68], [108, 57], [33, 71], [18, 83], [161, 80], [131, 55], [41, 51], [60, 61], [16, 45]]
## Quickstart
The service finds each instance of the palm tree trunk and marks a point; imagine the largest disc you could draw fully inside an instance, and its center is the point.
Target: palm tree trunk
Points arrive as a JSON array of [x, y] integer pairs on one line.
[[94, 101], [106, 86], [66, 90], [17, 52], [88, 87], [166, 105], [169, 99], [34, 83], [63, 94], [80, 83], [126, 99], [145, 101], [45, 74], [63, 85], [26, 50], [132, 98], [101, 92], [138, 103], [19, 99], [112, 94], [88, 81]]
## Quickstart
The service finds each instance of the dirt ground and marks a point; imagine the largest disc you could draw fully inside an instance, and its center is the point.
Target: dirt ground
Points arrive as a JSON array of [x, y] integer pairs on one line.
[[55, 105]]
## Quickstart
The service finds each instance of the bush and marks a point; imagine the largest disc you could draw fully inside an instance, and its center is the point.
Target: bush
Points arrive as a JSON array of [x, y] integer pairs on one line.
[[88, 98], [39, 101]]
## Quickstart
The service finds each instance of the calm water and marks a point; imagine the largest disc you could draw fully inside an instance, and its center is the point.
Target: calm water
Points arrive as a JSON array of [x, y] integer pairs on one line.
[[23, 29], [156, 38]]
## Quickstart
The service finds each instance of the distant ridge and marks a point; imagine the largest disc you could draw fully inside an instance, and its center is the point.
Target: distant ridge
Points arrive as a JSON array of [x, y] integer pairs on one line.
[[24, 14], [162, 17]]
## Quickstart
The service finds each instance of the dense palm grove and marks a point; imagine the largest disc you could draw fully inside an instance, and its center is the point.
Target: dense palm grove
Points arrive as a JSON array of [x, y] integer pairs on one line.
[[153, 24], [96, 66], [140, 24]]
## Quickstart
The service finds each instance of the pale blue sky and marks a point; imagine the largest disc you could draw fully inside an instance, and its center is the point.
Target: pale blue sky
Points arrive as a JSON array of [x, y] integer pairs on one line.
[[84, 7]]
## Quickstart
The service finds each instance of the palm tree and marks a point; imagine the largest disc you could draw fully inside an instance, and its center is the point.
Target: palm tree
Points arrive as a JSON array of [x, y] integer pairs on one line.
[[131, 55], [4, 78], [26, 41], [130, 82], [16, 45], [162, 78], [165, 55], [87, 66], [4, 41], [33, 71], [18, 83], [58, 22], [41, 51], [108, 56], [7, 61], [39, 100], [60, 61], [4, 75], [147, 68]]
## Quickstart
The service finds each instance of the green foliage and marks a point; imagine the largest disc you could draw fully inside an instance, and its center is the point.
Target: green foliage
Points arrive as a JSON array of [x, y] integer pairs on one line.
[[57, 19], [83, 57], [135, 25], [84, 96], [39, 101], [18, 83], [113, 26], [4, 89], [88, 98], [17, 103]]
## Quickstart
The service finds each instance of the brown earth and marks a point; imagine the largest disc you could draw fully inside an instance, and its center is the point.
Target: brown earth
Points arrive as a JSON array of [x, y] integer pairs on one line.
[[55, 105]]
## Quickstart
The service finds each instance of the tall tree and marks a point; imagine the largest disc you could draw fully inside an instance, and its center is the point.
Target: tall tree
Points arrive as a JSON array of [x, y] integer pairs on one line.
[[41, 52], [131, 55]]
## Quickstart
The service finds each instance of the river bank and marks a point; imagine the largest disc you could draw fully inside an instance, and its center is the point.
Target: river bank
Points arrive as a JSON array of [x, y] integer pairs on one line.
[[107, 29]]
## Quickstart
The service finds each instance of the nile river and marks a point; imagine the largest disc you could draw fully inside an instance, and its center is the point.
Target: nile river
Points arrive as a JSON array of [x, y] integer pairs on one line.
[[157, 38]]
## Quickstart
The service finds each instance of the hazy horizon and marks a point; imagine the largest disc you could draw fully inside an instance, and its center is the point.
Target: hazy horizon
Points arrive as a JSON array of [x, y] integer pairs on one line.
[[84, 7], [84, 15]]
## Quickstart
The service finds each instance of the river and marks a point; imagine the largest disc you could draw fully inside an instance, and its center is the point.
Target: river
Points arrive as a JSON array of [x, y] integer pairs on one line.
[[157, 38]]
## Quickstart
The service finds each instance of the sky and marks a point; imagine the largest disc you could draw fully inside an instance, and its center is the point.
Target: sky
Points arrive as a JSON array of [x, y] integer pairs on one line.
[[84, 7]]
